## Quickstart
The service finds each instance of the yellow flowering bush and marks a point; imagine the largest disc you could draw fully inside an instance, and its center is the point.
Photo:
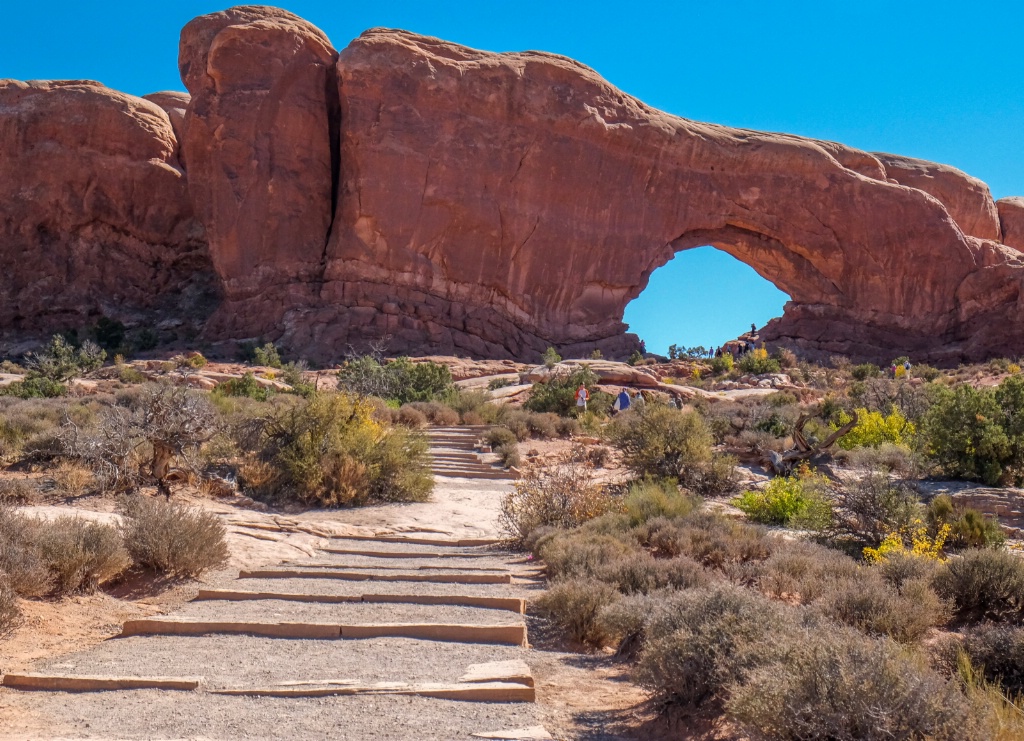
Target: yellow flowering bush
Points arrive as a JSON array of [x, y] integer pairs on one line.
[[874, 428], [921, 544]]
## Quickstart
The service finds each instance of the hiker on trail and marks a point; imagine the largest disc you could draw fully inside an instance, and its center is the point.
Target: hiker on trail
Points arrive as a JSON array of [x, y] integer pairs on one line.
[[582, 395], [906, 367], [892, 370], [621, 402], [638, 400], [753, 328]]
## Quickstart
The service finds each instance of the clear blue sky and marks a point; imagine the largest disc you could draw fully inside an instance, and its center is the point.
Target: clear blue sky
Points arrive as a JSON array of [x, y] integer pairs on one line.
[[937, 80]]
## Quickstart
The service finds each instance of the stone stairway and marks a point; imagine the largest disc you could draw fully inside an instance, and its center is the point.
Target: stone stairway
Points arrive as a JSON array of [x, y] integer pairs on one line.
[[457, 453], [372, 634]]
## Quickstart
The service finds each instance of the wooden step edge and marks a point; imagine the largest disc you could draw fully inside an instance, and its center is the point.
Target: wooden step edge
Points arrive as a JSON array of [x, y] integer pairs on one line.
[[191, 627], [449, 542], [68, 683], [512, 635], [403, 554], [356, 576]]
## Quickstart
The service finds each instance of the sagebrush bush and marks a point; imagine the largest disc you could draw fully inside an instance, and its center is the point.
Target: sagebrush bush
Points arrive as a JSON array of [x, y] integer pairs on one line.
[[561, 495], [874, 507], [997, 651], [575, 605], [650, 498], [80, 554], [710, 539], [411, 417], [700, 641], [436, 412], [578, 554], [20, 560], [17, 491], [984, 584], [835, 684], [170, 538], [899, 569], [874, 607], [805, 570]]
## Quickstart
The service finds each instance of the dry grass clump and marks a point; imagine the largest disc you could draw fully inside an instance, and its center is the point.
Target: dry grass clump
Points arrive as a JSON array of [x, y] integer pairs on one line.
[[997, 652], [71, 479], [170, 538], [17, 491], [435, 412], [411, 417]]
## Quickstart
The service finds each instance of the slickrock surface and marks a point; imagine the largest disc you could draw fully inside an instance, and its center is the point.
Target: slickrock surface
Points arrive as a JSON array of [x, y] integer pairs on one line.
[[460, 201]]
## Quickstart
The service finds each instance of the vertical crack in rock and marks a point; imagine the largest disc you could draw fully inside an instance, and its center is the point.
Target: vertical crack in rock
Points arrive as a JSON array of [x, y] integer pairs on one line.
[[332, 96]]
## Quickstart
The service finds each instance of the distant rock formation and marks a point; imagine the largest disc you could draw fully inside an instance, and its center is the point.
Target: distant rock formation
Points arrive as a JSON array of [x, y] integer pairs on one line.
[[460, 201]]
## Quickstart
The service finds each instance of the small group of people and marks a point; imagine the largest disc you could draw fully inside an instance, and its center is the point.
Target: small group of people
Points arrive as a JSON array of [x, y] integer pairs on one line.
[[623, 401], [906, 368]]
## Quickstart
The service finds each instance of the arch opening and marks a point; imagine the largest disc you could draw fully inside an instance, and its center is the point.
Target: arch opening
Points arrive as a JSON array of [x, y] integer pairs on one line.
[[702, 296]]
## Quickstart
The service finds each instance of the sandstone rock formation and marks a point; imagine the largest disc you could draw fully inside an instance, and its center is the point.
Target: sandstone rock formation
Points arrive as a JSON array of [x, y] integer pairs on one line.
[[460, 201], [258, 143], [94, 210], [1011, 219]]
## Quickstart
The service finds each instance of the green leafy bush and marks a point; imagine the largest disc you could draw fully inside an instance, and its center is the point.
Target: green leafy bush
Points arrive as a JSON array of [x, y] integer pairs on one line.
[[722, 364], [246, 386], [984, 584], [61, 361], [400, 380], [799, 501], [172, 539], [551, 358], [34, 387], [865, 371], [649, 498], [758, 362], [558, 393], [267, 355], [966, 437], [662, 442], [968, 528]]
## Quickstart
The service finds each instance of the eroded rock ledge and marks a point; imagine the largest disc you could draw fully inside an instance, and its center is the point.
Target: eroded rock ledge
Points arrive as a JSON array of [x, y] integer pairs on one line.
[[463, 201]]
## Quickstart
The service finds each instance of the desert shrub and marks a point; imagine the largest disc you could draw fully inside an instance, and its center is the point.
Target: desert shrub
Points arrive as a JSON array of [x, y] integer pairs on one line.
[[60, 361], [898, 570], [997, 651], [497, 436], [499, 383], [874, 507], [328, 450], [700, 641], [267, 355], [465, 402], [722, 364], [34, 387], [561, 495], [10, 613], [650, 498], [579, 554], [509, 456], [838, 685], [21, 563], [543, 425], [886, 457], [172, 539], [17, 491], [598, 455], [984, 584], [558, 393], [874, 428], [968, 528], [806, 571], [966, 439], [401, 380], [872, 606], [710, 539], [758, 362], [786, 357], [568, 426], [575, 606], [661, 442], [79, 554], [798, 501], [550, 357], [246, 386], [71, 479], [436, 412], [129, 374], [865, 371], [411, 417], [927, 372]]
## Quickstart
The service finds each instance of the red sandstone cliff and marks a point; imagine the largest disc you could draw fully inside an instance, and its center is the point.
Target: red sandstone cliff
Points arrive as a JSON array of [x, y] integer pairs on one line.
[[458, 200]]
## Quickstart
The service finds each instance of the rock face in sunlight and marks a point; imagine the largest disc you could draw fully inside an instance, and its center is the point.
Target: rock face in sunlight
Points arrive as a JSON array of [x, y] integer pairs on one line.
[[461, 201], [94, 209]]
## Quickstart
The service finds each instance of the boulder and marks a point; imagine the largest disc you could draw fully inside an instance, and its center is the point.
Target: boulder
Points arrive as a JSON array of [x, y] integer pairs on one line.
[[607, 372], [1011, 217], [261, 157], [174, 104], [95, 216]]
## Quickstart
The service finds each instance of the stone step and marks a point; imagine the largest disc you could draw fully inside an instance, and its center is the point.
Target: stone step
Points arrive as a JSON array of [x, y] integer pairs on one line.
[[71, 683], [415, 540], [511, 635], [467, 691], [512, 604], [339, 565], [460, 578], [401, 554]]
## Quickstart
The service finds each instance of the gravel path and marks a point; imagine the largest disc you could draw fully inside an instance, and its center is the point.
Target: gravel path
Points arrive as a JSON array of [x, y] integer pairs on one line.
[[239, 661], [345, 613]]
